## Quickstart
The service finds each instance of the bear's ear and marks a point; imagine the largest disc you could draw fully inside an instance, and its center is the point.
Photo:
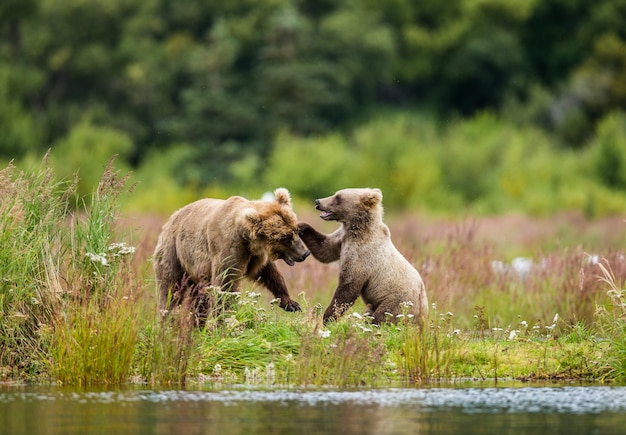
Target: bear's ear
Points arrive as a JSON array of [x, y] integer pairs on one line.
[[282, 197], [372, 198], [251, 215]]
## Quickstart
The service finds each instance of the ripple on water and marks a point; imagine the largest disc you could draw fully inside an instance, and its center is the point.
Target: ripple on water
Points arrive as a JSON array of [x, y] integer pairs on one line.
[[570, 399]]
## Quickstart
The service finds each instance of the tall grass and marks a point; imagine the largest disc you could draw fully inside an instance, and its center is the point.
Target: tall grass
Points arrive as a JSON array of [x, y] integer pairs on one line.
[[612, 321], [32, 205]]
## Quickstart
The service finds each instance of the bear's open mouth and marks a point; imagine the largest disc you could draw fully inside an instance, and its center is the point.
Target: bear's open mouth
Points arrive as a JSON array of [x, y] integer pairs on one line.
[[327, 215], [290, 261]]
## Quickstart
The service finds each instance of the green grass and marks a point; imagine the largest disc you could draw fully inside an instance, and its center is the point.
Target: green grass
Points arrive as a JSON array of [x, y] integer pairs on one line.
[[78, 306]]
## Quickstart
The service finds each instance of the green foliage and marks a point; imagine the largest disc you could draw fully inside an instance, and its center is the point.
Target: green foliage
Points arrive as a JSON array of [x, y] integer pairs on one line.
[[483, 163], [88, 148], [610, 151], [227, 79]]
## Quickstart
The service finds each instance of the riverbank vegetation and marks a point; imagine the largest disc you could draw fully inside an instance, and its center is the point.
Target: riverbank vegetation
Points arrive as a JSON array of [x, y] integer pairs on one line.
[[78, 302]]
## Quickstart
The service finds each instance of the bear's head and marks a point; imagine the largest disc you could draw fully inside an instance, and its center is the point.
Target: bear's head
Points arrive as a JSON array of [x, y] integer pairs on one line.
[[273, 229], [351, 206]]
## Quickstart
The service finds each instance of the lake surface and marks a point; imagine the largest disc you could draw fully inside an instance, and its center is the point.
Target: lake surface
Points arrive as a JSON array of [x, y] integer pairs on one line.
[[474, 410]]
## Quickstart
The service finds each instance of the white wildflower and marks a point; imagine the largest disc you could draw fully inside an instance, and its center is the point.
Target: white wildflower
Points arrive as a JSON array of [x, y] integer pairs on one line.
[[324, 333], [231, 322], [98, 258], [556, 318], [275, 301], [593, 259], [498, 266], [524, 323], [270, 373], [121, 249], [513, 334], [253, 295], [522, 266], [363, 328], [268, 197], [356, 315], [456, 331]]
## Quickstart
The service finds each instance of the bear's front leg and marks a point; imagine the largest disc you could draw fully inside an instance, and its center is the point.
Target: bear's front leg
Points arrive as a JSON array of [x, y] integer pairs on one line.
[[346, 294], [271, 278], [325, 248]]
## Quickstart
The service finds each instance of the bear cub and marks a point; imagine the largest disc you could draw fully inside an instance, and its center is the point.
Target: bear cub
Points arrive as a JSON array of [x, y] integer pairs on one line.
[[215, 242], [370, 264]]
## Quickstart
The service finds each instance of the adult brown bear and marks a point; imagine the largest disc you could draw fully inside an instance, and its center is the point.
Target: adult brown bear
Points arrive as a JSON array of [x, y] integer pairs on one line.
[[371, 266], [214, 242]]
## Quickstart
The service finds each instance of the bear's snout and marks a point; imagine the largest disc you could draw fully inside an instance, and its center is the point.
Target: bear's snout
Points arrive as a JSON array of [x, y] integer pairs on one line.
[[306, 254]]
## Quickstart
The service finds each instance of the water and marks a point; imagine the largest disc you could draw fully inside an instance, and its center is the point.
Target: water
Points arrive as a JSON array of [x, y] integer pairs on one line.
[[519, 410]]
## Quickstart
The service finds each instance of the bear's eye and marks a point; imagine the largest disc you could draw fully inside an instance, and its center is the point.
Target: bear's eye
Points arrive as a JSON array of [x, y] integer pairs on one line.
[[338, 199], [286, 239]]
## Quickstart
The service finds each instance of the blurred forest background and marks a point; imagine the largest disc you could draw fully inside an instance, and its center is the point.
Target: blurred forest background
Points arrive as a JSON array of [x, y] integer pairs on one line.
[[481, 105]]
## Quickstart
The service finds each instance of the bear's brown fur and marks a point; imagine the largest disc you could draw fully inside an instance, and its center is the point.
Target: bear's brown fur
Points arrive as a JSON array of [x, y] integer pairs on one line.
[[214, 242], [371, 266]]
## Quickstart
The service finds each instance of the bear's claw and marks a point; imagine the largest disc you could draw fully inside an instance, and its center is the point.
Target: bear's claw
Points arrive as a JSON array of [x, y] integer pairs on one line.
[[291, 306]]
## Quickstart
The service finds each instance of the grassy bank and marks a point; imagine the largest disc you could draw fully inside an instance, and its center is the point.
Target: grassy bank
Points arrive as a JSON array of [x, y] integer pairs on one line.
[[511, 298]]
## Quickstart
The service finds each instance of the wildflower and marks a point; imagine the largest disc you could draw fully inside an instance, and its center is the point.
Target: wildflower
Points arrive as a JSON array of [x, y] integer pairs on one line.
[[522, 266], [275, 301], [121, 249], [410, 316], [289, 357], [217, 369], [593, 260], [356, 315], [363, 328], [456, 331], [251, 376], [513, 334], [98, 258], [253, 295], [231, 322], [270, 373], [323, 333], [498, 266], [556, 318], [399, 316], [524, 323], [406, 304]]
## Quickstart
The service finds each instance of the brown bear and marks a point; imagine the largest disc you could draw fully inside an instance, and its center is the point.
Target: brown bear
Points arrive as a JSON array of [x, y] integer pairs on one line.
[[215, 242], [371, 266]]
